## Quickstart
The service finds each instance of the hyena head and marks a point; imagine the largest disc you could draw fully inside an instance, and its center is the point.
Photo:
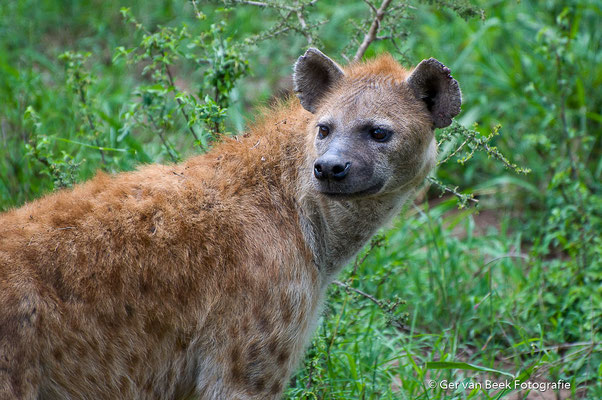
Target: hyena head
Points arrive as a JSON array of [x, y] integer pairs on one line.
[[372, 131]]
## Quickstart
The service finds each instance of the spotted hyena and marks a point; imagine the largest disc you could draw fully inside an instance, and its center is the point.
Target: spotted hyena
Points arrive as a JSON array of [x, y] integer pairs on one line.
[[204, 279]]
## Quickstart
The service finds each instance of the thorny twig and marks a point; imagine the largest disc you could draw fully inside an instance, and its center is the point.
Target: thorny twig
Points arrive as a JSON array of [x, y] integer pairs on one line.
[[462, 198], [453, 153], [476, 141], [472, 141], [387, 307], [364, 294]]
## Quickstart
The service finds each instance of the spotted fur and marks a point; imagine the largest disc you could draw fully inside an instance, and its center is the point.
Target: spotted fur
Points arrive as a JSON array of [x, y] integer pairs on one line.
[[202, 279]]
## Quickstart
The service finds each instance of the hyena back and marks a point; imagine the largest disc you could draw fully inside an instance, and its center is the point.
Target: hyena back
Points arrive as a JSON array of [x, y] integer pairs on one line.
[[204, 279]]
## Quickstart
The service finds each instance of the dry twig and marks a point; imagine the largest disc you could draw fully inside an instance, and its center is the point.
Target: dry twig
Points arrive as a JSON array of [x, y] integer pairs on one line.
[[298, 9], [372, 33]]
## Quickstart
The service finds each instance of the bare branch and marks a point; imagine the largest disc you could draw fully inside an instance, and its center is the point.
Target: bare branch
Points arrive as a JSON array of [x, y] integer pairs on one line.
[[366, 295], [197, 13], [285, 11], [83, 99], [373, 31], [304, 27], [160, 132], [374, 10], [262, 4], [181, 104]]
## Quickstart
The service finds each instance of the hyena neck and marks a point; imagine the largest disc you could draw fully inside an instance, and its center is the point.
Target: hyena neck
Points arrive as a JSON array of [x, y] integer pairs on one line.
[[336, 230]]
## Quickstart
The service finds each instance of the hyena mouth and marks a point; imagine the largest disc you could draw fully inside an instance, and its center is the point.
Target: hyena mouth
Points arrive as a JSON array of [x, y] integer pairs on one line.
[[346, 193]]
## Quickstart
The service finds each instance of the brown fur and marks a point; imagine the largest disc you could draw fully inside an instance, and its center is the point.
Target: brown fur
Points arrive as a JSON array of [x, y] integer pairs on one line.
[[174, 280]]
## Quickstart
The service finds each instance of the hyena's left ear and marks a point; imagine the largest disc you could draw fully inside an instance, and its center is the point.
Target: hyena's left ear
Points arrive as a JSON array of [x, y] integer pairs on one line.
[[432, 83], [314, 76]]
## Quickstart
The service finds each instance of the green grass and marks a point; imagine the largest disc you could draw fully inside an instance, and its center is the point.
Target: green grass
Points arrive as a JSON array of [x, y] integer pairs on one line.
[[467, 297], [521, 296]]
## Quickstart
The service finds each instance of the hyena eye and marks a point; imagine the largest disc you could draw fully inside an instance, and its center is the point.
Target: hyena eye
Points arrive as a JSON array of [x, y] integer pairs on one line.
[[323, 131], [380, 134]]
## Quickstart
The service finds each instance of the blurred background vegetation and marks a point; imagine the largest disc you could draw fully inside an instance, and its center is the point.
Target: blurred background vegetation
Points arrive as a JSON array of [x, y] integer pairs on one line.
[[511, 287]]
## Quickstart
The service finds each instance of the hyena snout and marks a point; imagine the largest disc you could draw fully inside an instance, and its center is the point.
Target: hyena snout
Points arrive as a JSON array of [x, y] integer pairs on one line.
[[331, 167], [339, 173]]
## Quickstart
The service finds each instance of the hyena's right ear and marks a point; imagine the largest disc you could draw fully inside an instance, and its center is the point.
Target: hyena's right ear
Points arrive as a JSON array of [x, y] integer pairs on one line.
[[314, 75], [432, 83]]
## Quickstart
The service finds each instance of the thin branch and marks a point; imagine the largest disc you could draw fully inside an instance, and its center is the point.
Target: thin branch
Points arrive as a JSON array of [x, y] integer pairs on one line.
[[160, 132], [453, 153], [375, 242], [82, 97], [181, 104], [463, 198], [386, 307], [557, 347], [369, 3], [373, 31], [304, 27], [285, 25], [198, 14], [263, 5], [366, 295]]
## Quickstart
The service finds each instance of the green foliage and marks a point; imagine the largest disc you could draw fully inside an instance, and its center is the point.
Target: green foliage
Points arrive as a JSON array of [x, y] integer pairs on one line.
[[60, 167], [79, 81], [464, 8], [474, 309], [87, 85], [573, 202], [203, 113]]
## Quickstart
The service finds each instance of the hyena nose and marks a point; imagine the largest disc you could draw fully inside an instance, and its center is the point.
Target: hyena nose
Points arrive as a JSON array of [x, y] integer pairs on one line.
[[331, 168]]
